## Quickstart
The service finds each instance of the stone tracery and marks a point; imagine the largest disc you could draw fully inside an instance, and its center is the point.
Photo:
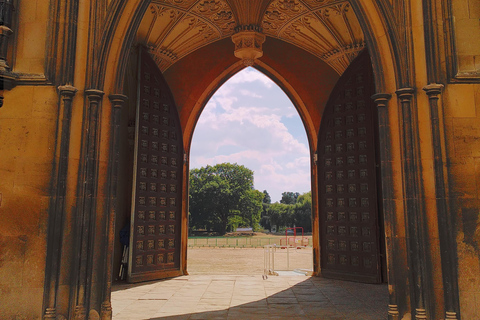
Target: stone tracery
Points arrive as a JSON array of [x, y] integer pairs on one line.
[[327, 29]]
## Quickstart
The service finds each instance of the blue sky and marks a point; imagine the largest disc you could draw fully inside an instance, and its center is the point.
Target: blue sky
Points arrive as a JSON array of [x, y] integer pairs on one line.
[[252, 122]]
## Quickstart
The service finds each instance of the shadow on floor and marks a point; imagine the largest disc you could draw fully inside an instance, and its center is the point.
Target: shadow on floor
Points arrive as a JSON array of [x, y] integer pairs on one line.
[[250, 297]]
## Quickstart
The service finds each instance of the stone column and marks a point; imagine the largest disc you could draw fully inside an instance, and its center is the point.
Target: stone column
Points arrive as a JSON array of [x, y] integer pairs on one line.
[[117, 102], [57, 203], [413, 206], [185, 206], [447, 242], [6, 15], [389, 209], [7, 80], [86, 202]]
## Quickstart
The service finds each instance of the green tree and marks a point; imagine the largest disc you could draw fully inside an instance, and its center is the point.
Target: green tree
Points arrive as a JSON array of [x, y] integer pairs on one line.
[[223, 195], [289, 197], [266, 197], [295, 211], [303, 212], [265, 219], [281, 215], [251, 208]]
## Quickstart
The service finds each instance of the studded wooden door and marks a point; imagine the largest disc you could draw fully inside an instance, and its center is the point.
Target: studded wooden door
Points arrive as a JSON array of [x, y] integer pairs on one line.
[[349, 223], [157, 183]]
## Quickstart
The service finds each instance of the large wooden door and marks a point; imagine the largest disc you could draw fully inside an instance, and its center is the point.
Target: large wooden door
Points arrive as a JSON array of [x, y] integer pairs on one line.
[[349, 221], [155, 233]]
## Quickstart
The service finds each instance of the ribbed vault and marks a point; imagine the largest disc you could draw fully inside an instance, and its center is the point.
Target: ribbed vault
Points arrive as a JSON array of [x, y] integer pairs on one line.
[[328, 29]]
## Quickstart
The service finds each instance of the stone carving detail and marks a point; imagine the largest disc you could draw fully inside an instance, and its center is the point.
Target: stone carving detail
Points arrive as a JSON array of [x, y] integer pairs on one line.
[[248, 45], [273, 20], [340, 58], [217, 12], [328, 29], [293, 6], [174, 33], [184, 4], [318, 3], [327, 32]]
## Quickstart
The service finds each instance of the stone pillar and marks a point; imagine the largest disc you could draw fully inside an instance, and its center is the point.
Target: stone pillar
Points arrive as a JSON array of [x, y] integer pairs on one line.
[[389, 209], [117, 102], [184, 221], [86, 203], [57, 203], [447, 242], [6, 15], [413, 206]]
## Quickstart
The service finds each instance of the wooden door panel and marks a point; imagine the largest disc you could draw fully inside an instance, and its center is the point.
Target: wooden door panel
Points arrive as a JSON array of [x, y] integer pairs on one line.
[[158, 167], [349, 224]]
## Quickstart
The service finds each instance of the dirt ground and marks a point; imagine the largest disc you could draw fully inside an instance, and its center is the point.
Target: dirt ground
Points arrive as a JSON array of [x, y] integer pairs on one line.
[[244, 261]]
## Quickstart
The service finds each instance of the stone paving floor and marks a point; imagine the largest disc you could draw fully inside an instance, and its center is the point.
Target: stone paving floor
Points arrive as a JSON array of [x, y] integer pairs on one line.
[[249, 297]]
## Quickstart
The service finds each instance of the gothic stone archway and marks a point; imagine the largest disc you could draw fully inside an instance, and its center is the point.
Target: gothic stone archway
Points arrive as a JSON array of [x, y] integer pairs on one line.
[[306, 74]]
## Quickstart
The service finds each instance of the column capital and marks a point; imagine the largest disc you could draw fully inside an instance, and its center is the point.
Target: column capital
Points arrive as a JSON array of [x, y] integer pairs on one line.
[[433, 90], [381, 99], [94, 94], [67, 90], [405, 94], [118, 100]]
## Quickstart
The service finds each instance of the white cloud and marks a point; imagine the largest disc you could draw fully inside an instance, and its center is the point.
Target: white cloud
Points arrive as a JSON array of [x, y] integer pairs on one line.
[[251, 75], [242, 123], [250, 93]]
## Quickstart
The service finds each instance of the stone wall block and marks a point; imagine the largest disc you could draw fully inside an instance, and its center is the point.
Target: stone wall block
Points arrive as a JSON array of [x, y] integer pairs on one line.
[[462, 180], [460, 101]]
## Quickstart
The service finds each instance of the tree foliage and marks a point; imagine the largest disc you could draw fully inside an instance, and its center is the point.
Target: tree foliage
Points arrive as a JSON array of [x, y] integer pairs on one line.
[[264, 219], [222, 196], [289, 197], [266, 197], [295, 211]]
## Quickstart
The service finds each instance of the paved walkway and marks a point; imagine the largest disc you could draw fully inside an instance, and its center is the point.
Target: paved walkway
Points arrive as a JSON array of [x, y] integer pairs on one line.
[[250, 297]]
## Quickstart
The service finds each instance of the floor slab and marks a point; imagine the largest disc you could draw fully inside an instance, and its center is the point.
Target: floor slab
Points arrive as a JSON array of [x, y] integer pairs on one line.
[[249, 297]]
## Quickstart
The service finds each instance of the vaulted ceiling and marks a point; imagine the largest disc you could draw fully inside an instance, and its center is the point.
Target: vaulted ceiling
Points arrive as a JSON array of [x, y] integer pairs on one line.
[[327, 29]]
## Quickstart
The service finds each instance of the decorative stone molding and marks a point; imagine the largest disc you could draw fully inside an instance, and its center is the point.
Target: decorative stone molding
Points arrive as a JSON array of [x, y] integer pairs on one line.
[[57, 204], [6, 16], [420, 314], [451, 316], [117, 102], [433, 90], [393, 311], [446, 238], [414, 211], [381, 100], [405, 94], [5, 33], [327, 29], [163, 58], [94, 95], [7, 80], [80, 313], [86, 214], [248, 44], [67, 91]]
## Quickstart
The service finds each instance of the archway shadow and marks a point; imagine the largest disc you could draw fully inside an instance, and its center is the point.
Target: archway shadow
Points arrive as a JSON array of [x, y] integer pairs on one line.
[[250, 297]]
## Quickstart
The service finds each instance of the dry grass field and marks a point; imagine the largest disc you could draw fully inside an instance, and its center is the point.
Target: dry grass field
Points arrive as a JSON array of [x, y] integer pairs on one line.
[[244, 261]]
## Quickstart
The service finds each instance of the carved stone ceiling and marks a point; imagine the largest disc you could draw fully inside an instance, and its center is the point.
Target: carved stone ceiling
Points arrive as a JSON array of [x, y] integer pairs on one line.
[[328, 29]]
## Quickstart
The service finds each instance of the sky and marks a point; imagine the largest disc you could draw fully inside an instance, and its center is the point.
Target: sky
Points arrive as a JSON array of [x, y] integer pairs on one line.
[[251, 121]]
